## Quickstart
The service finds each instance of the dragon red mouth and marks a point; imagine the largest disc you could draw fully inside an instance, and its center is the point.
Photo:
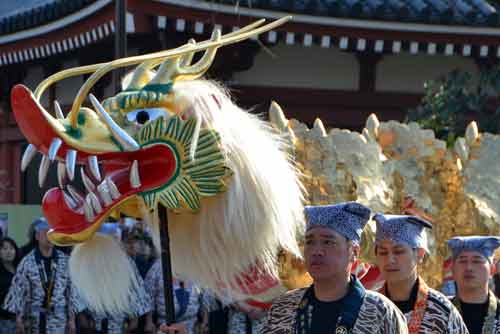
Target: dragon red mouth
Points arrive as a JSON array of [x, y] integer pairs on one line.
[[109, 178], [69, 211]]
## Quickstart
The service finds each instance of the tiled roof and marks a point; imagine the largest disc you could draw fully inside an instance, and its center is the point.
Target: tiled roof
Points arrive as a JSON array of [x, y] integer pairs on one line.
[[445, 12], [19, 15], [452, 27]]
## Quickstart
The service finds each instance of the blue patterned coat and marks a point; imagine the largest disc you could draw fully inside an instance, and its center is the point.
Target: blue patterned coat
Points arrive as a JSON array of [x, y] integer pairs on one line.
[[26, 295]]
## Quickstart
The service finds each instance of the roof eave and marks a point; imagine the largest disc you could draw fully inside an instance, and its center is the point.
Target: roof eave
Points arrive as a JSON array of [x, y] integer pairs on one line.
[[338, 22]]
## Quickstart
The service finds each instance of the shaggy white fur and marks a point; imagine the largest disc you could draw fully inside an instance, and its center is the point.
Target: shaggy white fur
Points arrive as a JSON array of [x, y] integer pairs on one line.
[[103, 275], [259, 213]]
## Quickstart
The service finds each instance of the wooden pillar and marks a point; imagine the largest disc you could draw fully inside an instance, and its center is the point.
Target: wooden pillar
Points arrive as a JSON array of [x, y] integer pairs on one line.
[[367, 71], [120, 39]]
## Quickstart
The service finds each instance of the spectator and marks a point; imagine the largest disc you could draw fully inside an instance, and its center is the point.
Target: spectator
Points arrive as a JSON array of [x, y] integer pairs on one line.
[[9, 258], [140, 248], [32, 242], [187, 303], [217, 317], [132, 245], [146, 255], [245, 321], [41, 293], [144, 259]]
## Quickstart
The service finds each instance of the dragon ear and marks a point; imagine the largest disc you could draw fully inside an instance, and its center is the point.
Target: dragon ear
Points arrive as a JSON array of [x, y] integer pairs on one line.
[[180, 68], [139, 77]]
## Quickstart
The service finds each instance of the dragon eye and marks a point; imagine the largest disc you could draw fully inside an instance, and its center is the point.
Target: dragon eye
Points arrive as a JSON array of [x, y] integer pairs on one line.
[[142, 116]]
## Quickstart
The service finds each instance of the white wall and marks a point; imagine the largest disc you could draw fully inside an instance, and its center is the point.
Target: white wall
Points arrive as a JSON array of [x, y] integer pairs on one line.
[[308, 67], [329, 68], [299, 66], [407, 73]]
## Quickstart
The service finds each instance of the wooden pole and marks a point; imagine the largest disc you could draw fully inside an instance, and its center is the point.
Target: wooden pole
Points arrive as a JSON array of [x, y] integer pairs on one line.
[[120, 40], [166, 265]]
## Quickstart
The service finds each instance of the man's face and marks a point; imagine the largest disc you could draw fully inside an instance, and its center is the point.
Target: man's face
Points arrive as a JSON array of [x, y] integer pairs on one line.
[[41, 236], [397, 262], [471, 270], [328, 254]]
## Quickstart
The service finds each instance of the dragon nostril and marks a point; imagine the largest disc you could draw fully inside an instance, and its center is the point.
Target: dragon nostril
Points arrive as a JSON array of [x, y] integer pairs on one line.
[[142, 117]]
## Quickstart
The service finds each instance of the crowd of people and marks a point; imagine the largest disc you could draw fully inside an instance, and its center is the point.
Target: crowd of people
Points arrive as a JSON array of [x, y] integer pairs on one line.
[[338, 303], [37, 295]]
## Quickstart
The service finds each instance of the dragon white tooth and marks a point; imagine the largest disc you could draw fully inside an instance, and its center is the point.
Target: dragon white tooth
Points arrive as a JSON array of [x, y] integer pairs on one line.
[[106, 197], [58, 110], [75, 194], [28, 155], [61, 174], [70, 163], [89, 213], [42, 172], [94, 167], [104, 193], [89, 185], [88, 202], [135, 181], [96, 205], [54, 147], [126, 141], [70, 202], [113, 189]]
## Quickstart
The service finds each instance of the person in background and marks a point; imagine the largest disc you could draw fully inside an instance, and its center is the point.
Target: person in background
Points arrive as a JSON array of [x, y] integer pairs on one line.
[[31, 234], [9, 259], [144, 253], [472, 264], [132, 245], [41, 294], [400, 245], [214, 316], [188, 301], [245, 321], [144, 259], [149, 253]]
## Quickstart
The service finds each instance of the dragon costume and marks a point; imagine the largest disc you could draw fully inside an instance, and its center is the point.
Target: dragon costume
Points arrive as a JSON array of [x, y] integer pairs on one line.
[[170, 138]]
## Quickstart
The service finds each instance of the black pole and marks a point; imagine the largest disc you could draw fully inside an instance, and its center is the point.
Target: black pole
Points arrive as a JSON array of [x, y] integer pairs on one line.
[[120, 39], [166, 265]]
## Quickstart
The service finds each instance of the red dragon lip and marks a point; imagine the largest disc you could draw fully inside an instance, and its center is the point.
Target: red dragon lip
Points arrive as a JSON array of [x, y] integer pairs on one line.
[[72, 214]]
